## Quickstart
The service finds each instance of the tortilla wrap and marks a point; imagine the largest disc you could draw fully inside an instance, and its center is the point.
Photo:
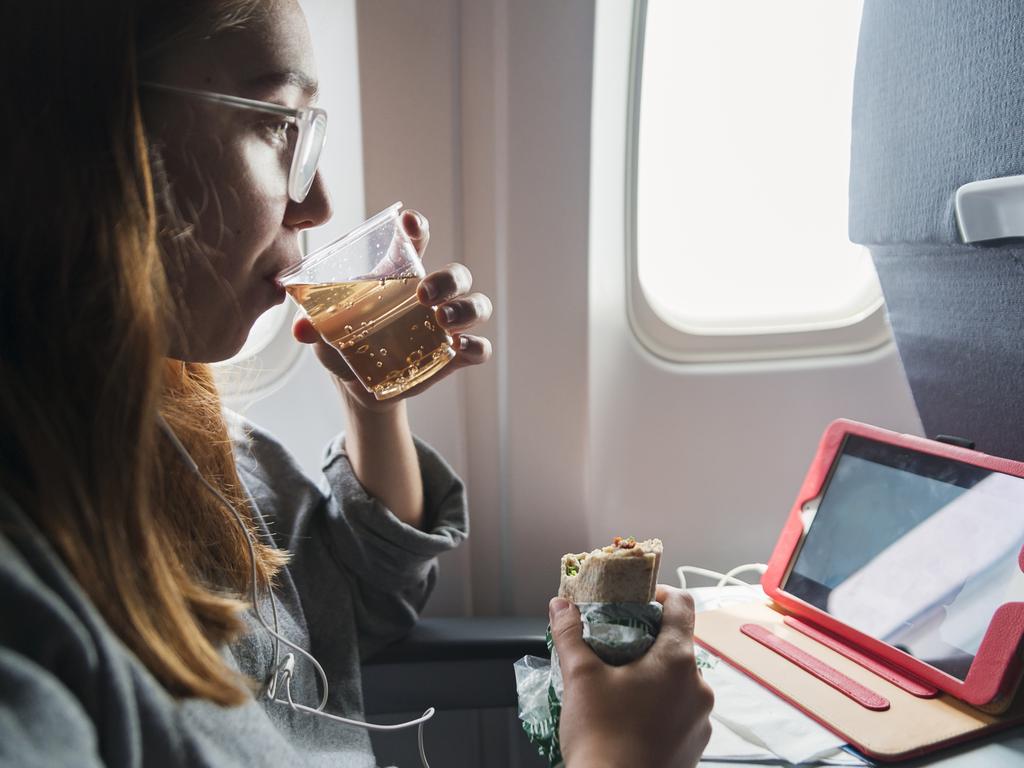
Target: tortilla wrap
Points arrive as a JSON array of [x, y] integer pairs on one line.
[[624, 572]]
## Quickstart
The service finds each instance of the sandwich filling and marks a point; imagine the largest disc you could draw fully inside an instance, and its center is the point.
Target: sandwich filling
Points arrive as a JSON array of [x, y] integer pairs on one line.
[[626, 571]]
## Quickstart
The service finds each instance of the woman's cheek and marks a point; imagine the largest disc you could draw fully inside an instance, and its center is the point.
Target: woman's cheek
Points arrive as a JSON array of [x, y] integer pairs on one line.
[[267, 172]]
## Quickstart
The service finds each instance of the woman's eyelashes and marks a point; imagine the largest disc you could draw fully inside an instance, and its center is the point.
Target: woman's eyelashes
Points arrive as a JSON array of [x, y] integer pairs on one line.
[[278, 131]]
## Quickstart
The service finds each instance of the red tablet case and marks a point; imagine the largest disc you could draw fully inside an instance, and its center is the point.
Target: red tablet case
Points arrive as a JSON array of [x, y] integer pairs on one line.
[[783, 659]]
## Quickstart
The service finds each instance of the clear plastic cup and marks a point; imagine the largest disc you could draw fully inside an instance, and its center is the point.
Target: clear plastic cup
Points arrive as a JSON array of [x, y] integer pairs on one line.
[[360, 294]]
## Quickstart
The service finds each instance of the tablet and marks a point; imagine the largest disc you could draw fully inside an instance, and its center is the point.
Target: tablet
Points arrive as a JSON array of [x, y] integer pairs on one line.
[[913, 551]]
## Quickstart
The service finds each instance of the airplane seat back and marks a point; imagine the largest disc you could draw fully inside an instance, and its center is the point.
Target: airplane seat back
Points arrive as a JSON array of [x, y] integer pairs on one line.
[[938, 103]]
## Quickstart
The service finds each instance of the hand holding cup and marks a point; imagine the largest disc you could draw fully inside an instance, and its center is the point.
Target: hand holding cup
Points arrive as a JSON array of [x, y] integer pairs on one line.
[[448, 309]]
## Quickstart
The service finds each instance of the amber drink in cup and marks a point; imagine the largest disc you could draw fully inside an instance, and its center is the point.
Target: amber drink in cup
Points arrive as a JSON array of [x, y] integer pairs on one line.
[[360, 294]]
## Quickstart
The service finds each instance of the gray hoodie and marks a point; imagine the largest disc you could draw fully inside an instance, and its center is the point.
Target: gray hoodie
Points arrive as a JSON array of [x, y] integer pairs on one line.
[[71, 694]]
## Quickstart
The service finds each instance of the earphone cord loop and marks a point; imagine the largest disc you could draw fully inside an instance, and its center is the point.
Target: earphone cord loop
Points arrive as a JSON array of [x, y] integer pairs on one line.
[[275, 633], [283, 668], [286, 679]]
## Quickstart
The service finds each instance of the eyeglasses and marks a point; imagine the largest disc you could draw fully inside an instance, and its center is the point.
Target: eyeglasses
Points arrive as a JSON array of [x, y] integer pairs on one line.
[[310, 122]]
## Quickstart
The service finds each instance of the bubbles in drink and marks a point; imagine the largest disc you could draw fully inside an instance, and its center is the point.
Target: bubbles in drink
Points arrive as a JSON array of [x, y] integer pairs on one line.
[[371, 314]]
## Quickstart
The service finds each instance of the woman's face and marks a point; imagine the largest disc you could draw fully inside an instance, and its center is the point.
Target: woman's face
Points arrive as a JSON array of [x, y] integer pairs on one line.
[[228, 174]]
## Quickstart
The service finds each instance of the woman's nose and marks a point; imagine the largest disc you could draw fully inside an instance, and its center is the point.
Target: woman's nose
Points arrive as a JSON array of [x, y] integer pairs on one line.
[[315, 210]]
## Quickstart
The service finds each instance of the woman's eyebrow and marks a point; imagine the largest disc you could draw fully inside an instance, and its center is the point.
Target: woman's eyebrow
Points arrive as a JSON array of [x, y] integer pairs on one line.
[[301, 80]]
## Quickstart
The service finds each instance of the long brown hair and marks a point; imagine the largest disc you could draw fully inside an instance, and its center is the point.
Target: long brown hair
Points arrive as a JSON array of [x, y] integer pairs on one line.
[[84, 312]]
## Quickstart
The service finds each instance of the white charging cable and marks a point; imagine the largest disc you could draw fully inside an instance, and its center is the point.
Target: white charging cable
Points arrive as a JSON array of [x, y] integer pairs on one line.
[[723, 578], [284, 669]]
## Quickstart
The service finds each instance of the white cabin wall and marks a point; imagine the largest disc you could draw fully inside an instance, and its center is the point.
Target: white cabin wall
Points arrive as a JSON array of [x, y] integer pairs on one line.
[[597, 436], [548, 125], [708, 457], [479, 115], [467, 124], [409, 65]]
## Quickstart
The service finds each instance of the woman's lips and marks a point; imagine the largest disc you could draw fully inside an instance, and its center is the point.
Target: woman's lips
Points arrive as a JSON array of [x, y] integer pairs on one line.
[[278, 291], [274, 278]]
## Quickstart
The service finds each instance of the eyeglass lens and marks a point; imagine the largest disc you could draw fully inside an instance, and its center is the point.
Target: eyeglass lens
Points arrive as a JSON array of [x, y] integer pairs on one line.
[[312, 134]]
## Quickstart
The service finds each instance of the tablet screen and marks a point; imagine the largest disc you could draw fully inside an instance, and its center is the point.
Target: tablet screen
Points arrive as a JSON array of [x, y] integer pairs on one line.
[[913, 549]]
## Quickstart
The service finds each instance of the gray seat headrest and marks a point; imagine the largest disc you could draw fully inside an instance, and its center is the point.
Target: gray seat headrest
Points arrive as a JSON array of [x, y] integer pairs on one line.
[[938, 102]]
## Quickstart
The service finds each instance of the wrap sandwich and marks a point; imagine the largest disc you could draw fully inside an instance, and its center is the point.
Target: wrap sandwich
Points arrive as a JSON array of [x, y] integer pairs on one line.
[[613, 588], [626, 571]]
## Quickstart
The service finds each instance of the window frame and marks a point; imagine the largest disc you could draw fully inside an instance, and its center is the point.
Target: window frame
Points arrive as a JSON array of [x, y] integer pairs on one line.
[[866, 331]]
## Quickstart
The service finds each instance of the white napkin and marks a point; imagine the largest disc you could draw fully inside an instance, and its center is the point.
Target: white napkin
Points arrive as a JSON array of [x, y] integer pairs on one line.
[[748, 721], [762, 721], [727, 746]]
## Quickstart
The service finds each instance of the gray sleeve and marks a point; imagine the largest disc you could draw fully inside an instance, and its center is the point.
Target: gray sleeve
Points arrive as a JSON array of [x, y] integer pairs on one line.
[[376, 545], [352, 559], [41, 722], [393, 566]]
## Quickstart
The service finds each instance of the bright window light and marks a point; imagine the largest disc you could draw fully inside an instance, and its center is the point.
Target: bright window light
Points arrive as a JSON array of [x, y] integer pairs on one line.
[[743, 167]]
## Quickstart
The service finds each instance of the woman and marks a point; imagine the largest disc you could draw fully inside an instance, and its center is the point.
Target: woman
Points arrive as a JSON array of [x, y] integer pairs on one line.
[[140, 243]]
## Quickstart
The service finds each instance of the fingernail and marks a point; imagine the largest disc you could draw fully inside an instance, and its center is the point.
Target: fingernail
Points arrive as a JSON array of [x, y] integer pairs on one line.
[[428, 290], [411, 221], [422, 222], [449, 314], [557, 606]]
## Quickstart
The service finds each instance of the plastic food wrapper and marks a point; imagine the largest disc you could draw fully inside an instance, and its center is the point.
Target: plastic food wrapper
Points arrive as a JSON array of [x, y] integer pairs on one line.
[[617, 632]]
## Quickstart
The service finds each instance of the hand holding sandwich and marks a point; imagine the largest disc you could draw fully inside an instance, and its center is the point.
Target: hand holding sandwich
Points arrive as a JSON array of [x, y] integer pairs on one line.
[[653, 712]]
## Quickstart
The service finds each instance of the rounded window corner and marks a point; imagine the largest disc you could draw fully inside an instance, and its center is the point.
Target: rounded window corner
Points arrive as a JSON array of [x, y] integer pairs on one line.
[[264, 363], [865, 332]]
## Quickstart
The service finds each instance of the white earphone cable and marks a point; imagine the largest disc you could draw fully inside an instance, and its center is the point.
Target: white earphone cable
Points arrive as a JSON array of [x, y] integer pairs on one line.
[[284, 668], [723, 578]]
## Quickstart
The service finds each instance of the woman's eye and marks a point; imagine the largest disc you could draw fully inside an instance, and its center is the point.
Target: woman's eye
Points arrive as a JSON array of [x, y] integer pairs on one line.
[[278, 131]]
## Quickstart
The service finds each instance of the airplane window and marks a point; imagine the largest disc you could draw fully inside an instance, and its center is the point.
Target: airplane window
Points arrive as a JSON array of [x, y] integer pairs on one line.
[[742, 166]]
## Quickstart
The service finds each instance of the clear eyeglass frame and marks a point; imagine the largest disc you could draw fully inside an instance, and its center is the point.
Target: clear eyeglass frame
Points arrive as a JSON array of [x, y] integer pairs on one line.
[[310, 124]]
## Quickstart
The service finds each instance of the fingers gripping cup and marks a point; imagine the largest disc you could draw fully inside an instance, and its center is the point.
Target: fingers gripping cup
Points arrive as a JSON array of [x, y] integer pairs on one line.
[[360, 294]]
